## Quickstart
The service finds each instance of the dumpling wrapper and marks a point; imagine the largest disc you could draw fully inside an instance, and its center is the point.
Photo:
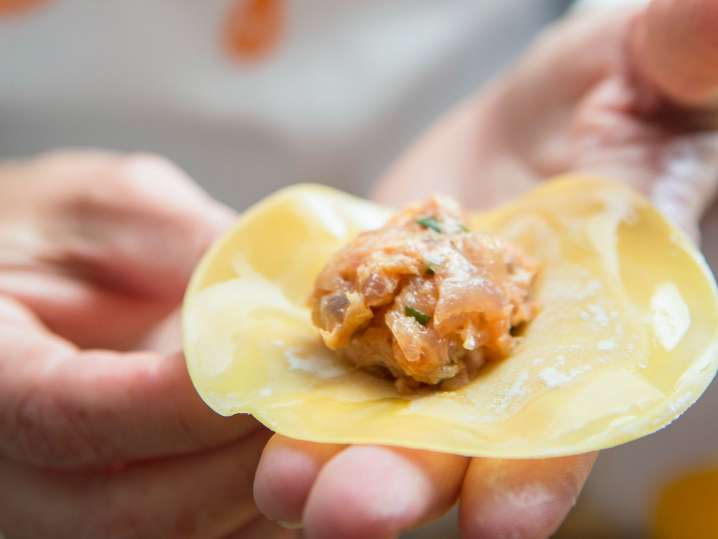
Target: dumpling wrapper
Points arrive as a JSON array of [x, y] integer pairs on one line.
[[625, 342]]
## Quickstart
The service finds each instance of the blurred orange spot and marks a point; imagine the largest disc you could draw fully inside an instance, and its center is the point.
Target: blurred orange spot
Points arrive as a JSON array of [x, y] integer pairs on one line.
[[253, 28], [687, 507], [11, 7]]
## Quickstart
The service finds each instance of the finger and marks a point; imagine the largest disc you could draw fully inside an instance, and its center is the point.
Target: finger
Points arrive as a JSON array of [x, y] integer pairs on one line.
[[107, 233], [285, 475], [60, 407], [687, 185], [372, 491], [200, 496], [522, 499], [150, 225], [675, 46], [138, 216], [166, 336], [89, 315]]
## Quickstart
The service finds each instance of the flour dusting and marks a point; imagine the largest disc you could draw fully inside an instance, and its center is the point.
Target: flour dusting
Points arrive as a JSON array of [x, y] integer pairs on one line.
[[318, 365], [516, 390], [671, 316], [553, 378]]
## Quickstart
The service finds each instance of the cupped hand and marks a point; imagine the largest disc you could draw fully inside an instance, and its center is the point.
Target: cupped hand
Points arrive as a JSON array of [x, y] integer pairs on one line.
[[629, 94], [101, 431]]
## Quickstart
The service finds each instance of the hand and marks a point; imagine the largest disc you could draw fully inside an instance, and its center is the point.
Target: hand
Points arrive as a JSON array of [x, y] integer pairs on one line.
[[628, 95], [101, 431], [621, 94]]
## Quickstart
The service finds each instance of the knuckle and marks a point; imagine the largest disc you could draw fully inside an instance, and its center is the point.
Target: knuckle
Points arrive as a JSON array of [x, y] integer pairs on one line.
[[48, 429], [153, 181], [142, 170], [103, 188]]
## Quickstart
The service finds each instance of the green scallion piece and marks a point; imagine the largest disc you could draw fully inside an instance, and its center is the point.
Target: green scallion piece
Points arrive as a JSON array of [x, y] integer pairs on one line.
[[464, 228], [430, 269], [417, 315], [430, 222]]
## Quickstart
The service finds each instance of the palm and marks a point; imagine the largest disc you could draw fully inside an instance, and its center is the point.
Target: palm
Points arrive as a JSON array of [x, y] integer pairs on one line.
[[575, 103], [597, 113]]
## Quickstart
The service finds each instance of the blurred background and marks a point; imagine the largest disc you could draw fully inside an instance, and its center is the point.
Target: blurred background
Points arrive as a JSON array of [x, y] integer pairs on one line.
[[250, 95], [316, 91]]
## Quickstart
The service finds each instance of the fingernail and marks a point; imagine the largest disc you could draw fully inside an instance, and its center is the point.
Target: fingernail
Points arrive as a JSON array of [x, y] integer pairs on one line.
[[289, 525]]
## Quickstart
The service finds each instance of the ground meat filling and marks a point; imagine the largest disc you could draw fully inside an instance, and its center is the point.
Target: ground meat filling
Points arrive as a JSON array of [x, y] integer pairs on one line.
[[424, 299]]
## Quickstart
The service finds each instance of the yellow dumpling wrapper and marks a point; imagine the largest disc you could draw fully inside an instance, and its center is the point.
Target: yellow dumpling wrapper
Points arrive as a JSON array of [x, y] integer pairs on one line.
[[625, 341]]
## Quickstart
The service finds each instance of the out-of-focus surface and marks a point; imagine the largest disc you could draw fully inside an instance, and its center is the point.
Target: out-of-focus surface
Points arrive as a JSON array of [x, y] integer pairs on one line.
[[342, 91]]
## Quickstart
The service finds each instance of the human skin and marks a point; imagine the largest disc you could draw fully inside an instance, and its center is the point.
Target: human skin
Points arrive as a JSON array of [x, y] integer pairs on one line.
[[101, 433], [631, 95]]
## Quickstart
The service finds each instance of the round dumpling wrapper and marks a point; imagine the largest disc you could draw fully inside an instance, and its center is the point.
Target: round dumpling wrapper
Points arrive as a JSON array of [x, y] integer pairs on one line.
[[624, 343]]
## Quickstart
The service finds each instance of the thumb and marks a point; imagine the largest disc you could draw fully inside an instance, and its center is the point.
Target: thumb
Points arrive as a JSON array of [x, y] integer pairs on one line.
[[674, 44]]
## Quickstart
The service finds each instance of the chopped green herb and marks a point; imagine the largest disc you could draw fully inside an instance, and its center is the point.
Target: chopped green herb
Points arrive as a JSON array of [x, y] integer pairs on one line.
[[430, 222], [420, 317], [430, 269], [464, 228]]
